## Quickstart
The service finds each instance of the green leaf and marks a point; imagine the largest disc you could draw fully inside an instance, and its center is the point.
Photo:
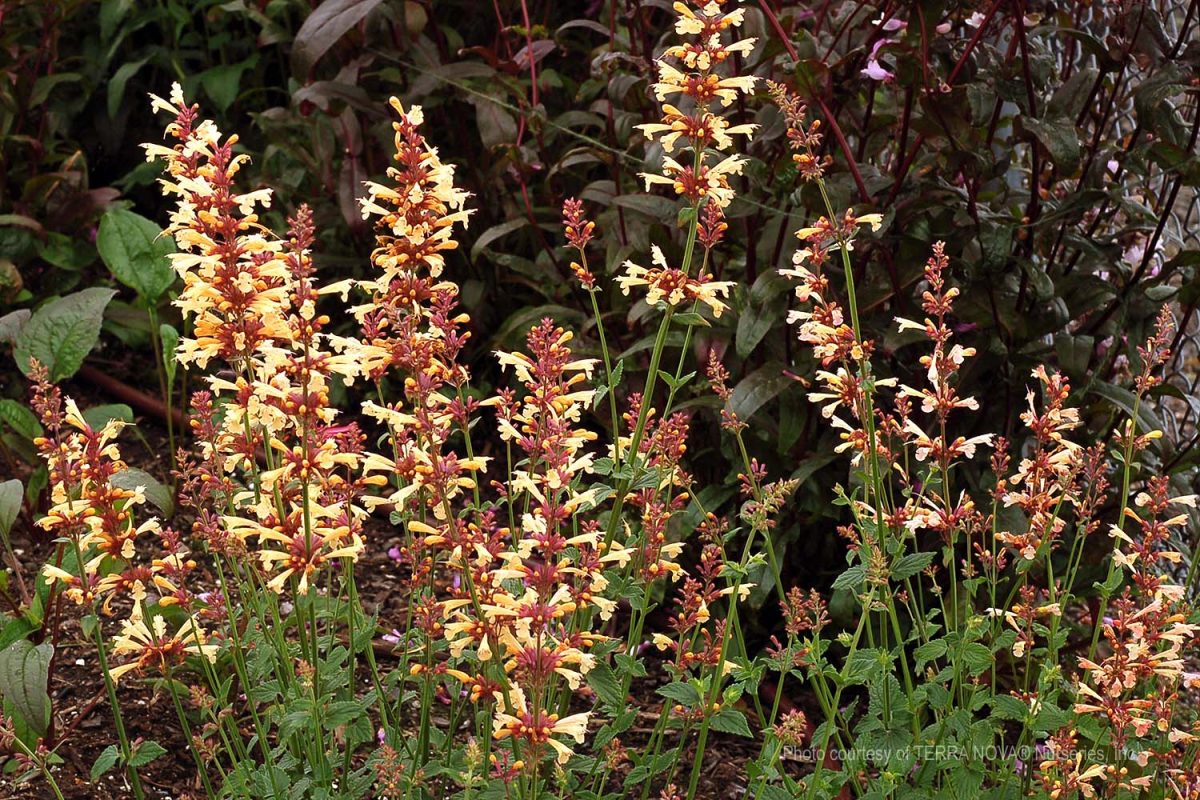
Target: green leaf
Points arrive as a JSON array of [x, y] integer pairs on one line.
[[134, 251], [605, 684], [977, 657], [1059, 137], [11, 492], [1126, 400], [911, 564], [116, 84], [65, 252], [61, 333], [852, 578], [11, 323], [222, 82], [496, 126], [930, 651], [651, 205], [20, 419], [24, 668], [757, 389], [497, 232], [1005, 706], [156, 493], [146, 752], [730, 720], [683, 693], [99, 416], [105, 761], [691, 318]]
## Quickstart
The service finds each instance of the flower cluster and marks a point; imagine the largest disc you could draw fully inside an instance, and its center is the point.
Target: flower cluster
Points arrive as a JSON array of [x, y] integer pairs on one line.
[[696, 125]]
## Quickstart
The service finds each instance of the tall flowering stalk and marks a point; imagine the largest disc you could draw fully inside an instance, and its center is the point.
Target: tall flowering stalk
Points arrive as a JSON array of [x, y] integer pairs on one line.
[[527, 575]]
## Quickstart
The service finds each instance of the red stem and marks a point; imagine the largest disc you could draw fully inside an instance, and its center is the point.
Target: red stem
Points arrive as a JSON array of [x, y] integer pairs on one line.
[[837, 131]]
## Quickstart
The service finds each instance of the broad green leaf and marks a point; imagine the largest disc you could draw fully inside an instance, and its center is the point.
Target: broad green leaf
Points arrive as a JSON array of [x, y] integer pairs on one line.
[[66, 252], [134, 251], [1059, 137], [683, 693], [852, 578], [976, 657], [155, 492], [606, 685], [651, 205], [19, 418], [1126, 400], [495, 233], [11, 492], [61, 333], [322, 28], [11, 323], [757, 389], [24, 667], [223, 81], [730, 720], [930, 651], [107, 759], [99, 416], [496, 126], [146, 752], [909, 565], [116, 84]]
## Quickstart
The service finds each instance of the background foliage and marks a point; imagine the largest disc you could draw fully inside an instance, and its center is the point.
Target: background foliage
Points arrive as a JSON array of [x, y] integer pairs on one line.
[[1052, 146]]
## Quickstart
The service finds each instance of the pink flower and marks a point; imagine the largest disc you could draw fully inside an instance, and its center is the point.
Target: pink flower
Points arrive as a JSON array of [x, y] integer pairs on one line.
[[876, 72]]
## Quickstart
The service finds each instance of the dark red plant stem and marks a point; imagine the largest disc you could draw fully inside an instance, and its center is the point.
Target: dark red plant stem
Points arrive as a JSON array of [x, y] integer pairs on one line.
[[1035, 166], [1164, 212], [837, 131], [529, 49], [962, 60], [134, 397]]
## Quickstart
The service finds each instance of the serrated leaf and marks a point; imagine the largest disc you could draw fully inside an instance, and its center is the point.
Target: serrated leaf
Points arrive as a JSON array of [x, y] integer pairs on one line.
[[852, 578], [1005, 706], [107, 759], [24, 668], [929, 651], [730, 720], [683, 693], [605, 684], [11, 492], [61, 333], [145, 752], [134, 251], [976, 657], [131, 478], [908, 565]]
